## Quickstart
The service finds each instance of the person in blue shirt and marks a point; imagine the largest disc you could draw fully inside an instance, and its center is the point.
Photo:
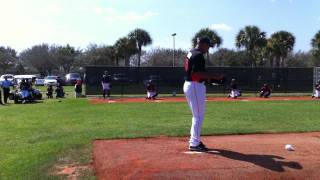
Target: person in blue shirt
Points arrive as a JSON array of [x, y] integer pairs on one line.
[[6, 89], [1, 98]]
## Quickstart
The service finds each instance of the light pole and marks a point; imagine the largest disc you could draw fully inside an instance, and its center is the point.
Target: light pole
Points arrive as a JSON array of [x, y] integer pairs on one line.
[[174, 44]]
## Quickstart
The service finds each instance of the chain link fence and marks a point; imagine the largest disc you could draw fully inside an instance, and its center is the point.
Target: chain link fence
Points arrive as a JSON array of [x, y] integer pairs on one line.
[[132, 80]]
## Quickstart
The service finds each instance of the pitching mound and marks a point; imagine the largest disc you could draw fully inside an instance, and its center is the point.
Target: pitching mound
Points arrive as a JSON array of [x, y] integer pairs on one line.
[[183, 99], [231, 157]]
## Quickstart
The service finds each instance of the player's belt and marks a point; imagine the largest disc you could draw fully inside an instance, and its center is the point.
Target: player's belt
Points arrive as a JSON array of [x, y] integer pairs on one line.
[[196, 81]]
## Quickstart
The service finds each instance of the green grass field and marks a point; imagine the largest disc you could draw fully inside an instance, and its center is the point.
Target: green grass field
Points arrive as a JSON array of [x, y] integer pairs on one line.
[[36, 137]]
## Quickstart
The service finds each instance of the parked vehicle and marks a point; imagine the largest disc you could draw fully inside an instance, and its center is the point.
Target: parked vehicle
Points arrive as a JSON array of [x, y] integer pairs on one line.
[[51, 80], [31, 96], [18, 78], [72, 78], [10, 77], [19, 96], [39, 82]]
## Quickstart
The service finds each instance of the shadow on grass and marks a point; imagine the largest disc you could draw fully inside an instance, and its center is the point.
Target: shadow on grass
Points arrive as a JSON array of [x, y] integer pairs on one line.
[[270, 162]]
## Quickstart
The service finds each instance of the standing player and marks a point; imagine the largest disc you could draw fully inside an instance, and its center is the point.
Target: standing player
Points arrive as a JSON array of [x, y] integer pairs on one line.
[[106, 86], [316, 90], [195, 89]]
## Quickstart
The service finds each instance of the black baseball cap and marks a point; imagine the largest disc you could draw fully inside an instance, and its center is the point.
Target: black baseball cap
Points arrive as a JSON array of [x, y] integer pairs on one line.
[[206, 40]]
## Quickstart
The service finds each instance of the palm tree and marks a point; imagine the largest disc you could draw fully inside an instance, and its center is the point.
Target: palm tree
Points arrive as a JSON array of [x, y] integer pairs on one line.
[[253, 40], [216, 40], [214, 37], [315, 43], [280, 44], [141, 38], [124, 48]]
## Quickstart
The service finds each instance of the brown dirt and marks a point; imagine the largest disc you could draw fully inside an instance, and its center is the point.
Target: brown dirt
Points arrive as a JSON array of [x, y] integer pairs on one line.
[[71, 172], [182, 99], [231, 157]]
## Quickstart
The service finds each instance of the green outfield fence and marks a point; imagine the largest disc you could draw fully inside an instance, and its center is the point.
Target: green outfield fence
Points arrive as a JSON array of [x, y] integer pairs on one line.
[[132, 80]]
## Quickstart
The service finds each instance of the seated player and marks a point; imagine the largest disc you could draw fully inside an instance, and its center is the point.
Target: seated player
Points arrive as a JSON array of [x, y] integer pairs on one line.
[[151, 90], [317, 90], [265, 91], [24, 87], [234, 91], [50, 92]]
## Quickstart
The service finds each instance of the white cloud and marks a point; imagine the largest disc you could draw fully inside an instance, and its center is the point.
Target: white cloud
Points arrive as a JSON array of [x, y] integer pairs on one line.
[[221, 27]]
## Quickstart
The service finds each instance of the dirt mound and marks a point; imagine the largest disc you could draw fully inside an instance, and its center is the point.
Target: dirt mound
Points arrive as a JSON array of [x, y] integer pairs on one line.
[[230, 157]]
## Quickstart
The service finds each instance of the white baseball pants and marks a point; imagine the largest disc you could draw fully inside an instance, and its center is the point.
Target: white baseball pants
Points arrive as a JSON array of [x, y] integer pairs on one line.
[[235, 93], [195, 93]]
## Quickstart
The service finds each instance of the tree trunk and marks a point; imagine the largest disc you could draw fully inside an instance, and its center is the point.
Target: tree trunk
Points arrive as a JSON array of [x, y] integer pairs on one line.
[[283, 63], [139, 56], [271, 61], [127, 61], [278, 61]]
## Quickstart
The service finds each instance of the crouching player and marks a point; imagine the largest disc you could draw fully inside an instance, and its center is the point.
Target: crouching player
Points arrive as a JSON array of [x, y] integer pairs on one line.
[[234, 91], [265, 91], [151, 90], [316, 90]]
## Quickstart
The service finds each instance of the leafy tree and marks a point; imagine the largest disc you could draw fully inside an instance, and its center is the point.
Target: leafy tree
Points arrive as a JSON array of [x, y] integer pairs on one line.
[[65, 56], [253, 40], [40, 57], [300, 59], [142, 38], [216, 40], [227, 57], [8, 58], [95, 55], [124, 48], [280, 45], [315, 44], [163, 57]]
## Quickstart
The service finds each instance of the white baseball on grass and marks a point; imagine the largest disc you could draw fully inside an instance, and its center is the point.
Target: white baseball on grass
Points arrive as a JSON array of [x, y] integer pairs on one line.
[[289, 147]]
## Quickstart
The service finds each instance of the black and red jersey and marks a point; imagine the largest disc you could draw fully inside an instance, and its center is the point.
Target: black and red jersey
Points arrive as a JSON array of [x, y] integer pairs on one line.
[[265, 89], [233, 86], [151, 87], [106, 79], [194, 62]]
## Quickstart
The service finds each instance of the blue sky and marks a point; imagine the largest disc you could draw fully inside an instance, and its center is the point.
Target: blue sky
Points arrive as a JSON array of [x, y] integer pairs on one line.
[[81, 22]]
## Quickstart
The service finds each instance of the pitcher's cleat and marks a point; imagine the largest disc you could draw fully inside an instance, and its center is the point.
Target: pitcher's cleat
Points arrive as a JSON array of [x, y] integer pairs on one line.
[[200, 148]]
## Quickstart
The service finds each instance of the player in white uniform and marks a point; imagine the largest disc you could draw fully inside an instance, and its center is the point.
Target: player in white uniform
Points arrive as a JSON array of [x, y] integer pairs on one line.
[[317, 90], [234, 91], [106, 86], [195, 89]]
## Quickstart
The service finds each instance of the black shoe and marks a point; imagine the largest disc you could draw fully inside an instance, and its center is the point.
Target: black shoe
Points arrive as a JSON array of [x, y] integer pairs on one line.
[[201, 148]]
